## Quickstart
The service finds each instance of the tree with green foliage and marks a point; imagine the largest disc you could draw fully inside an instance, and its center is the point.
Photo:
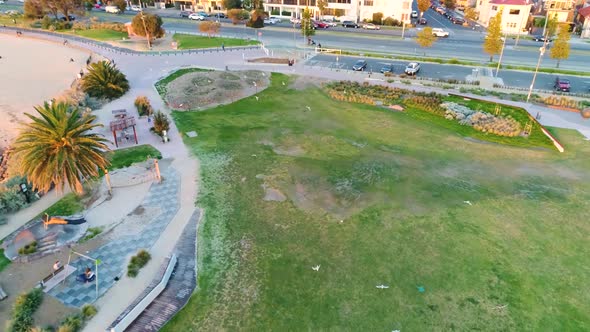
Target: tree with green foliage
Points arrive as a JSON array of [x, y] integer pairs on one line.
[[104, 80], [307, 29], [231, 4], [425, 38], [161, 122], [450, 4], [256, 19], [423, 6], [377, 18], [237, 15], [561, 47], [60, 147], [552, 26], [492, 44], [51, 6], [33, 9], [148, 25], [121, 4], [323, 5]]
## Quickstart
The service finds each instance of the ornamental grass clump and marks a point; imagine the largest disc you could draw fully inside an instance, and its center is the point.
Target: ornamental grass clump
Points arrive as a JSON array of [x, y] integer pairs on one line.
[[482, 121]]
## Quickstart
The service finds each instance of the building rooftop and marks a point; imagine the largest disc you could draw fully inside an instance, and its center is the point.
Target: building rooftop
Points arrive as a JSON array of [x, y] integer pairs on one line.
[[585, 11]]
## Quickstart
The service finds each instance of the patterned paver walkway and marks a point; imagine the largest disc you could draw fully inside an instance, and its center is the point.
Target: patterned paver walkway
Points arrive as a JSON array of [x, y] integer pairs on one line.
[[181, 285], [114, 255]]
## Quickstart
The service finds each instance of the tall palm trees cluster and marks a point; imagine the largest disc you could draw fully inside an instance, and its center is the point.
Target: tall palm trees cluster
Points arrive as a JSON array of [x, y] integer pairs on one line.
[[59, 146]]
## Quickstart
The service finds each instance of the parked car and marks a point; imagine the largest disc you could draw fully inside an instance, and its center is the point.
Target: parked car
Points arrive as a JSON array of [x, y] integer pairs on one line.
[[562, 84], [388, 68], [458, 20], [185, 13], [135, 8], [422, 21], [330, 23], [438, 32], [1, 2], [350, 24], [112, 9], [70, 17], [360, 65], [320, 25], [11, 12], [196, 16], [412, 68], [541, 39], [268, 21], [275, 18], [414, 14], [221, 15], [371, 26], [202, 13], [440, 10], [295, 20]]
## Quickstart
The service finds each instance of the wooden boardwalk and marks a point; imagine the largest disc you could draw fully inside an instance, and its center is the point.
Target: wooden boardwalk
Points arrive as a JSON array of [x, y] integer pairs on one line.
[[181, 285]]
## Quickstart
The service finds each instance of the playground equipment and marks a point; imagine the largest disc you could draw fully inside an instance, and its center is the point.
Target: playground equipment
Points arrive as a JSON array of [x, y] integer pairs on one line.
[[72, 220]]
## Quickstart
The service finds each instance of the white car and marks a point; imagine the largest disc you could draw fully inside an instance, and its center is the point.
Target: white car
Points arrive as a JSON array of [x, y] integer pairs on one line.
[[371, 26], [438, 32], [295, 20], [136, 8], [195, 16], [330, 23], [112, 9], [271, 20], [276, 19], [414, 14], [412, 68]]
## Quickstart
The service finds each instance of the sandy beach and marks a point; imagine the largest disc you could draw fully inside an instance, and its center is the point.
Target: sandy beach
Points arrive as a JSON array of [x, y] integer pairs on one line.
[[32, 71]]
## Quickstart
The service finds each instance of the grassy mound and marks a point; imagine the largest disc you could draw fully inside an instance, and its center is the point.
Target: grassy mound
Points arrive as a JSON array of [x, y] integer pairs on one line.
[[466, 235]]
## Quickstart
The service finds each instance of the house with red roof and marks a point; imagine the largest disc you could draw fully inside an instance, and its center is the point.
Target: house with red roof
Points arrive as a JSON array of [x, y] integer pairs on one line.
[[515, 14], [584, 19]]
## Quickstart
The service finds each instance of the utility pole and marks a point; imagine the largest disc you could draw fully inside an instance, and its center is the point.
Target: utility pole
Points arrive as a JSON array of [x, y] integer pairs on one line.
[[147, 35], [501, 54], [541, 52], [403, 29], [518, 34]]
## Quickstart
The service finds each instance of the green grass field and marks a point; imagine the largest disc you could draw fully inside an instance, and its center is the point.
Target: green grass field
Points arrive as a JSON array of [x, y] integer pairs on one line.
[[121, 158], [186, 41], [102, 34], [377, 197]]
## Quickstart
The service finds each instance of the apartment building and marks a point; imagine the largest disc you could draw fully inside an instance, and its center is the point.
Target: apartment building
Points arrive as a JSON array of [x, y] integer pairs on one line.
[[355, 10], [563, 10], [515, 14], [198, 5]]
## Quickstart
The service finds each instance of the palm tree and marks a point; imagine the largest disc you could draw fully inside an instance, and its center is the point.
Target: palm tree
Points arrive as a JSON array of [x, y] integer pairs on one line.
[[104, 80], [58, 147]]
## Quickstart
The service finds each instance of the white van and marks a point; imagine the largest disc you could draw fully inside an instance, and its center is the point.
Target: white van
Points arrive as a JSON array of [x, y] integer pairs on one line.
[[112, 9]]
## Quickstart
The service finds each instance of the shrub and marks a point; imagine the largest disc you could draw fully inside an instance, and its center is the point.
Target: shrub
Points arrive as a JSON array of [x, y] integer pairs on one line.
[[137, 262], [89, 311], [46, 22], [28, 249], [23, 310], [377, 18], [285, 13], [390, 21], [104, 80], [161, 123], [143, 106], [72, 323]]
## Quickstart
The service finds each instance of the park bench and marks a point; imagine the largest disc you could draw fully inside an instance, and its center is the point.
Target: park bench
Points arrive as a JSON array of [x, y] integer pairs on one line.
[[56, 277], [46, 279]]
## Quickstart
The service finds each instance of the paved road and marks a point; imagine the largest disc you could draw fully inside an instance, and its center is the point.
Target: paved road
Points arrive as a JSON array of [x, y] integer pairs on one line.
[[463, 43], [438, 71]]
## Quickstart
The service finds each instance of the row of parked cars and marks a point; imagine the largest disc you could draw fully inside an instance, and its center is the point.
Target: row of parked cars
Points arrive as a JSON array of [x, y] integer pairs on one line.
[[411, 69], [448, 13]]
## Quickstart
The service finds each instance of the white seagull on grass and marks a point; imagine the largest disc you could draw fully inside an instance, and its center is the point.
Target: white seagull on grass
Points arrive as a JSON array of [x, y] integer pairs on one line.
[[467, 202], [315, 268], [382, 286]]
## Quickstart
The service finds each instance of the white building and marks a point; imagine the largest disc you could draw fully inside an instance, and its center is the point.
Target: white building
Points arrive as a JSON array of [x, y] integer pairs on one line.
[[354, 10], [515, 14]]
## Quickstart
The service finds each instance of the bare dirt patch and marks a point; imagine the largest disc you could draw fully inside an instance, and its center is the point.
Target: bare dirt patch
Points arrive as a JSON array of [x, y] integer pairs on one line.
[[270, 60], [201, 90], [304, 82]]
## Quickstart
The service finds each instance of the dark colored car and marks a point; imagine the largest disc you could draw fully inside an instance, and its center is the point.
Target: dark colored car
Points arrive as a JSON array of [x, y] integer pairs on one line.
[[388, 68], [220, 15], [458, 20], [185, 13], [63, 18], [350, 24], [422, 21], [541, 39], [562, 84], [360, 65]]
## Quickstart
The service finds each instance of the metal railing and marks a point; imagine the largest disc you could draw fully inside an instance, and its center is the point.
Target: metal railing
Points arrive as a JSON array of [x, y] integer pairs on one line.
[[123, 50]]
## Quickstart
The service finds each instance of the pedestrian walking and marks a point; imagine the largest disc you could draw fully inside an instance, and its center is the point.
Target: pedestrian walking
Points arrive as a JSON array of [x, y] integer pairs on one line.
[[71, 60], [223, 46], [65, 42]]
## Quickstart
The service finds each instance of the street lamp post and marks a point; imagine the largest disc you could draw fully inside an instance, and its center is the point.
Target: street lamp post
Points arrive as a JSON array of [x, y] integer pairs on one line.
[[501, 54], [541, 52]]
